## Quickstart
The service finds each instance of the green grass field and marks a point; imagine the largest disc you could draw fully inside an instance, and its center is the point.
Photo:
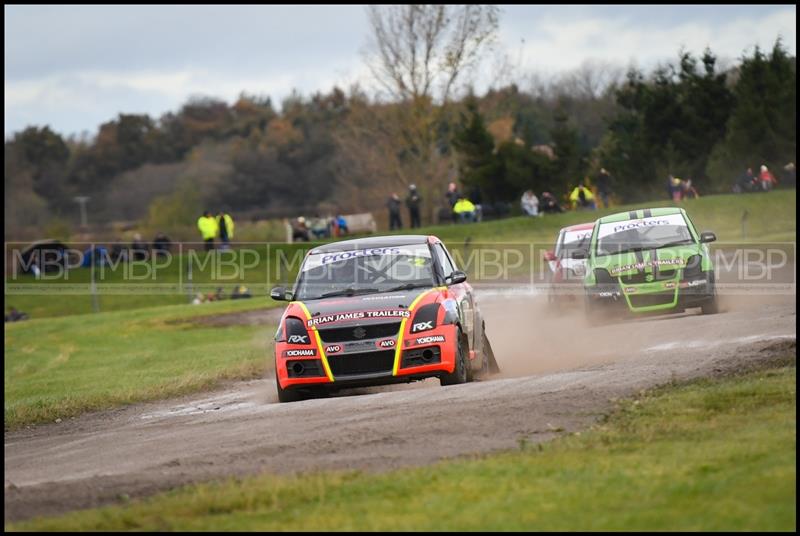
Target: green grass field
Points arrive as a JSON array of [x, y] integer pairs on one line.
[[710, 456], [61, 367], [771, 217]]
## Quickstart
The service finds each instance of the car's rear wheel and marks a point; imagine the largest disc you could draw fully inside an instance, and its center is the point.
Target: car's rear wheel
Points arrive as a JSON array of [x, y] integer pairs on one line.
[[460, 373], [288, 395]]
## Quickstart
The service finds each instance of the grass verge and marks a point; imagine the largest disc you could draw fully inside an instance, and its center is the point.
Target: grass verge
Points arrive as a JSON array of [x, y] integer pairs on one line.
[[713, 455], [60, 367]]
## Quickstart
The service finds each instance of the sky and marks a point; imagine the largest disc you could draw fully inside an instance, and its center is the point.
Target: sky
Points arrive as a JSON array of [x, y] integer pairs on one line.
[[75, 67]]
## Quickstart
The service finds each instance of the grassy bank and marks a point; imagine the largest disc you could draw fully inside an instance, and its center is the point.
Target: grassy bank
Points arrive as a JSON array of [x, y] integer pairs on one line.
[[714, 455], [770, 217], [60, 367]]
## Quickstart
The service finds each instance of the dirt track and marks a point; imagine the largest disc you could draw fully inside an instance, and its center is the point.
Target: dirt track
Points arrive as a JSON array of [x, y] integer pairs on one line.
[[558, 376]]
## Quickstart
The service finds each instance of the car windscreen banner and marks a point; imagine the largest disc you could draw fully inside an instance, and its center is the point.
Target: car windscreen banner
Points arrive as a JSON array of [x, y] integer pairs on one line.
[[612, 228], [377, 255]]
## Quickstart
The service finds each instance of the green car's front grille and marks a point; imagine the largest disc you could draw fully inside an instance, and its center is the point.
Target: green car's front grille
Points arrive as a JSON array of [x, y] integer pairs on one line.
[[639, 301], [642, 277]]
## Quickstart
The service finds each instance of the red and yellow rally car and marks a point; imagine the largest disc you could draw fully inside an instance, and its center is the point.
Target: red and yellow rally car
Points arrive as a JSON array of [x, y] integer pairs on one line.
[[376, 311]]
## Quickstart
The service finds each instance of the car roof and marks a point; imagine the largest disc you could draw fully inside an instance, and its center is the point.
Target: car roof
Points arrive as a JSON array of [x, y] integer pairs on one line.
[[373, 242], [579, 227], [641, 213]]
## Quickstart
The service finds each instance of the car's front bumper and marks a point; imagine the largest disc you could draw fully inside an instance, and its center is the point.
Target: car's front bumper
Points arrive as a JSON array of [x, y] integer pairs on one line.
[[421, 355], [651, 297]]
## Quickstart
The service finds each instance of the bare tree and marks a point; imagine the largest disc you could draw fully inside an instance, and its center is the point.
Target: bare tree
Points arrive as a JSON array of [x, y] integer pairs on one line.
[[591, 80], [421, 51], [421, 55]]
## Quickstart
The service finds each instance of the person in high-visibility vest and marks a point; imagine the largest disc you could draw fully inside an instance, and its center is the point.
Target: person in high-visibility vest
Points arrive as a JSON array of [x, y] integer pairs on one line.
[[464, 210], [225, 223], [208, 229], [582, 197]]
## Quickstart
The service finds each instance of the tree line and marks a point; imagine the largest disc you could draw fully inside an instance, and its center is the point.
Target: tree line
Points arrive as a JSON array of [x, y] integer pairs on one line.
[[346, 151]]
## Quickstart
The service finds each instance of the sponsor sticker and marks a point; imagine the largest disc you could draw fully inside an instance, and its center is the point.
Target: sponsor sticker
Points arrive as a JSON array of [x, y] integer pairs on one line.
[[317, 258], [669, 284], [306, 352], [630, 290], [357, 315], [611, 228], [641, 265], [386, 343], [298, 339], [334, 349], [422, 326], [344, 255], [429, 339]]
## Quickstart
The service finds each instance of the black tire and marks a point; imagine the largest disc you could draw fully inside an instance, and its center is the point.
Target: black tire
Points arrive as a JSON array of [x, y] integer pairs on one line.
[[461, 372], [711, 306], [288, 395]]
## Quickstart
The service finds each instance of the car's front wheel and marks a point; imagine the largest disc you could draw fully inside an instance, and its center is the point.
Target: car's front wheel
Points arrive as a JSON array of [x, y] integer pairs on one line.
[[460, 372], [711, 306], [288, 395]]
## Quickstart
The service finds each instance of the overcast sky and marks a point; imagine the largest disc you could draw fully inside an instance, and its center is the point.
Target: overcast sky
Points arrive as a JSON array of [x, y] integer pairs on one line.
[[74, 67]]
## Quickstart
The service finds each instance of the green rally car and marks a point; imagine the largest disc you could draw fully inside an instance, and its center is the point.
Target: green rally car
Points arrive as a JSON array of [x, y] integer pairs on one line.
[[650, 260]]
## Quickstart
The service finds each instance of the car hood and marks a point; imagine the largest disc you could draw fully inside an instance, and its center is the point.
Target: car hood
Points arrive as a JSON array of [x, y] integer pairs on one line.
[[383, 306]]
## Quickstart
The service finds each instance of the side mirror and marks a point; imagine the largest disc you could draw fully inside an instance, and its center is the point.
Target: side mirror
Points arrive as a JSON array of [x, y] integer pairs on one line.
[[280, 294], [455, 278], [707, 236], [549, 256]]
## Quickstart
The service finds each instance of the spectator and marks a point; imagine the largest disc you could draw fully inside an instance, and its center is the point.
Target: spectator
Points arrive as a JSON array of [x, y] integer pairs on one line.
[[138, 248], [550, 203], [340, 225], [688, 191], [15, 316], [300, 230], [464, 210], [603, 183], [477, 200], [452, 195], [118, 252], [530, 203], [674, 188], [161, 244], [241, 292], [225, 224], [208, 227], [320, 227], [394, 212], [767, 179], [413, 201], [582, 198], [746, 182]]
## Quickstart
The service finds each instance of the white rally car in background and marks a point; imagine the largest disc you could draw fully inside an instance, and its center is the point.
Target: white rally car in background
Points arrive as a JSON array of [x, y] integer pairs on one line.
[[567, 264]]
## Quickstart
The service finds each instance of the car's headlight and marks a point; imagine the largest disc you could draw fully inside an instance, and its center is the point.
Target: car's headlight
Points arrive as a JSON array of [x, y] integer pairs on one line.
[[295, 332], [602, 277], [693, 268], [425, 318]]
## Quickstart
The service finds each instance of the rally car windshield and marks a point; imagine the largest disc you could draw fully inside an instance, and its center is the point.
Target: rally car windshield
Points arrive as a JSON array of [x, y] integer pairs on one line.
[[647, 233], [364, 271], [573, 242]]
